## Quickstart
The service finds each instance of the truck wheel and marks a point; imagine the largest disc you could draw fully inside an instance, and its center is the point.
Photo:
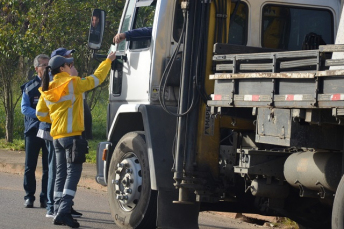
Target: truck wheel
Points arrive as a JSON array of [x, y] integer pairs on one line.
[[132, 202], [338, 207]]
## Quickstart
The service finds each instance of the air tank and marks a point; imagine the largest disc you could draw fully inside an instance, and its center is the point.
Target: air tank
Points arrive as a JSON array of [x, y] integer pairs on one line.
[[274, 189]]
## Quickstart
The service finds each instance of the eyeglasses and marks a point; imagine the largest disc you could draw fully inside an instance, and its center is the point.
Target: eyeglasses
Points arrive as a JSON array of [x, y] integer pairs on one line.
[[42, 65]]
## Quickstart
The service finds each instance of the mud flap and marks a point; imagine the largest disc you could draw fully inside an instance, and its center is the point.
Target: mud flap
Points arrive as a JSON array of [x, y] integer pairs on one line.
[[175, 216]]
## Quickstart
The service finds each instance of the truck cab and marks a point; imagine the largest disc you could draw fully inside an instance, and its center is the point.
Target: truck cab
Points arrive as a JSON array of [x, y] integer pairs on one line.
[[148, 127]]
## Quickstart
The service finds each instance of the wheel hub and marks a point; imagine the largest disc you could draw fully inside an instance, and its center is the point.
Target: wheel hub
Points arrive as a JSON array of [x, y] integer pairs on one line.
[[128, 182]]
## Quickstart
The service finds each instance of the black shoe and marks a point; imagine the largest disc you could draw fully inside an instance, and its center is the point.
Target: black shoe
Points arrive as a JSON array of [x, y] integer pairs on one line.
[[65, 219], [43, 204], [75, 214], [28, 203]]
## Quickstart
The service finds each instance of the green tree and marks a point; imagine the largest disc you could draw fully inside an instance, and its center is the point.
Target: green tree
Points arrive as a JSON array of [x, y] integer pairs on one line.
[[29, 28], [13, 63]]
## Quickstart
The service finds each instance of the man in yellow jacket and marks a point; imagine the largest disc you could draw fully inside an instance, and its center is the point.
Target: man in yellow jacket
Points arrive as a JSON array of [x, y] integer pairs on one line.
[[61, 103]]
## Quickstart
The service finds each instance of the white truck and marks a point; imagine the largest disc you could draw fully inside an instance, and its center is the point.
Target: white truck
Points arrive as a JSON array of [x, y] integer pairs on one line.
[[229, 106]]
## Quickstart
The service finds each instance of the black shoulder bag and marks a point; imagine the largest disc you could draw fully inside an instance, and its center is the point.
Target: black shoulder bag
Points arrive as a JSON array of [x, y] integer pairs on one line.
[[77, 152]]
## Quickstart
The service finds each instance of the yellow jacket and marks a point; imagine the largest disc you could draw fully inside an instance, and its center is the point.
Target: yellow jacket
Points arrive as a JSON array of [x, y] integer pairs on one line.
[[62, 104]]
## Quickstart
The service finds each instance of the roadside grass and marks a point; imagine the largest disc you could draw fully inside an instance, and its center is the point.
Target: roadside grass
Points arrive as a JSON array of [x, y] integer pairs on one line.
[[16, 145], [91, 157], [285, 223], [18, 126], [99, 114], [18, 132]]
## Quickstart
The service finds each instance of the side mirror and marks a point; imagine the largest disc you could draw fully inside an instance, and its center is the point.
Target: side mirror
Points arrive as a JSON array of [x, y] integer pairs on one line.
[[97, 26]]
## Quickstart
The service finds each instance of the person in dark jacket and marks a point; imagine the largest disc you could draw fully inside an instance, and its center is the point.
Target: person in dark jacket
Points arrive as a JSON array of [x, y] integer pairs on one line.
[[33, 144], [134, 35]]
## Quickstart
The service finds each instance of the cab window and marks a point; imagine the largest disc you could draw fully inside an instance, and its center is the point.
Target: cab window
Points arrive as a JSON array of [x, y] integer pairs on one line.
[[238, 26], [290, 28], [144, 17]]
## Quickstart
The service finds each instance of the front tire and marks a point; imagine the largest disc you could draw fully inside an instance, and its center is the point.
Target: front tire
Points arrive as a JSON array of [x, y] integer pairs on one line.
[[132, 202], [338, 207]]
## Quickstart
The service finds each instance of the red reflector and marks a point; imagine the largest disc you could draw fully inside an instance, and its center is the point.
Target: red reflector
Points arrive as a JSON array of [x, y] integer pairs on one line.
[[217, 97], [255, 97], [335, 97], [289, 97]]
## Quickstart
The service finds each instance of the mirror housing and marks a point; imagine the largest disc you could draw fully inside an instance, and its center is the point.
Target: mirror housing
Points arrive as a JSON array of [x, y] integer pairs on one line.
[[95, 36]]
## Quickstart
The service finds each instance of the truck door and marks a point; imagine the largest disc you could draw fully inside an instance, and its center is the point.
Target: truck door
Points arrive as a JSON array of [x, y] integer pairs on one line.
[[135, 66]]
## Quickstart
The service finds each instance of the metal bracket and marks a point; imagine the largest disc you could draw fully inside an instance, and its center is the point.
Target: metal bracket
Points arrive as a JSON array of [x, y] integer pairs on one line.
[[318, 61], [234, 68], [232, 93], [273, 92], [254, 111], [215, 111], [322, 192], [305, 192], [282, 135], [338, 113], [274, 63], [316, 92]]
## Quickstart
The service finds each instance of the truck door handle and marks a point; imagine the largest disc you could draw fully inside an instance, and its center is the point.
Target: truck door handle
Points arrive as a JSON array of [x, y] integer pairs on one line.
[[122, 57], [119, 56]]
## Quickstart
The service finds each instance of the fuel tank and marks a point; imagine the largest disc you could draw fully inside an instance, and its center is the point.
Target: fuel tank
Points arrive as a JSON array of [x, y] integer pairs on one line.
[[314, 170]]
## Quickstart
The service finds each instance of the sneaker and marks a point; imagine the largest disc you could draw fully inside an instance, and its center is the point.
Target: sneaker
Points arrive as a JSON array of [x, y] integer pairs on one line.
[[75, 214], [50, 214], [65, 219]]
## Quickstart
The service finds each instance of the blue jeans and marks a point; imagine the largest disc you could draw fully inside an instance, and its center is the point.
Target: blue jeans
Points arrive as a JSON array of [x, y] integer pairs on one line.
[[67, 176], [51, 175], [33, 145]]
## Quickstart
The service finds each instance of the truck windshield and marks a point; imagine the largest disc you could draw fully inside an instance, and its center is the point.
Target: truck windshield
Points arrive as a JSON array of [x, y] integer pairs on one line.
[[286, 27]]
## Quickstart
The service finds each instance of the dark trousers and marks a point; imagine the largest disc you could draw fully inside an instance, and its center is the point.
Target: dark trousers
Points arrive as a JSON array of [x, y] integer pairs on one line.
[[67, 176], [52, 175], [33, 145]]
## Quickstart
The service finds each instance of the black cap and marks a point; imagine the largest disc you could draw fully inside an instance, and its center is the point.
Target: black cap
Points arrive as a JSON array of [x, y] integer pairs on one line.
[[58, 61]]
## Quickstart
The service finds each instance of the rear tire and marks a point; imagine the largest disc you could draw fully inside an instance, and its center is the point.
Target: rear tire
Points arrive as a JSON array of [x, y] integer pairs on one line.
[[338, 207], [132, 202]]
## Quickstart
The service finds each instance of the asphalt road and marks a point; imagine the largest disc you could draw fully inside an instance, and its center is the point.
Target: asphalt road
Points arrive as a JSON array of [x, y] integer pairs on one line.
[[92, 203]]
